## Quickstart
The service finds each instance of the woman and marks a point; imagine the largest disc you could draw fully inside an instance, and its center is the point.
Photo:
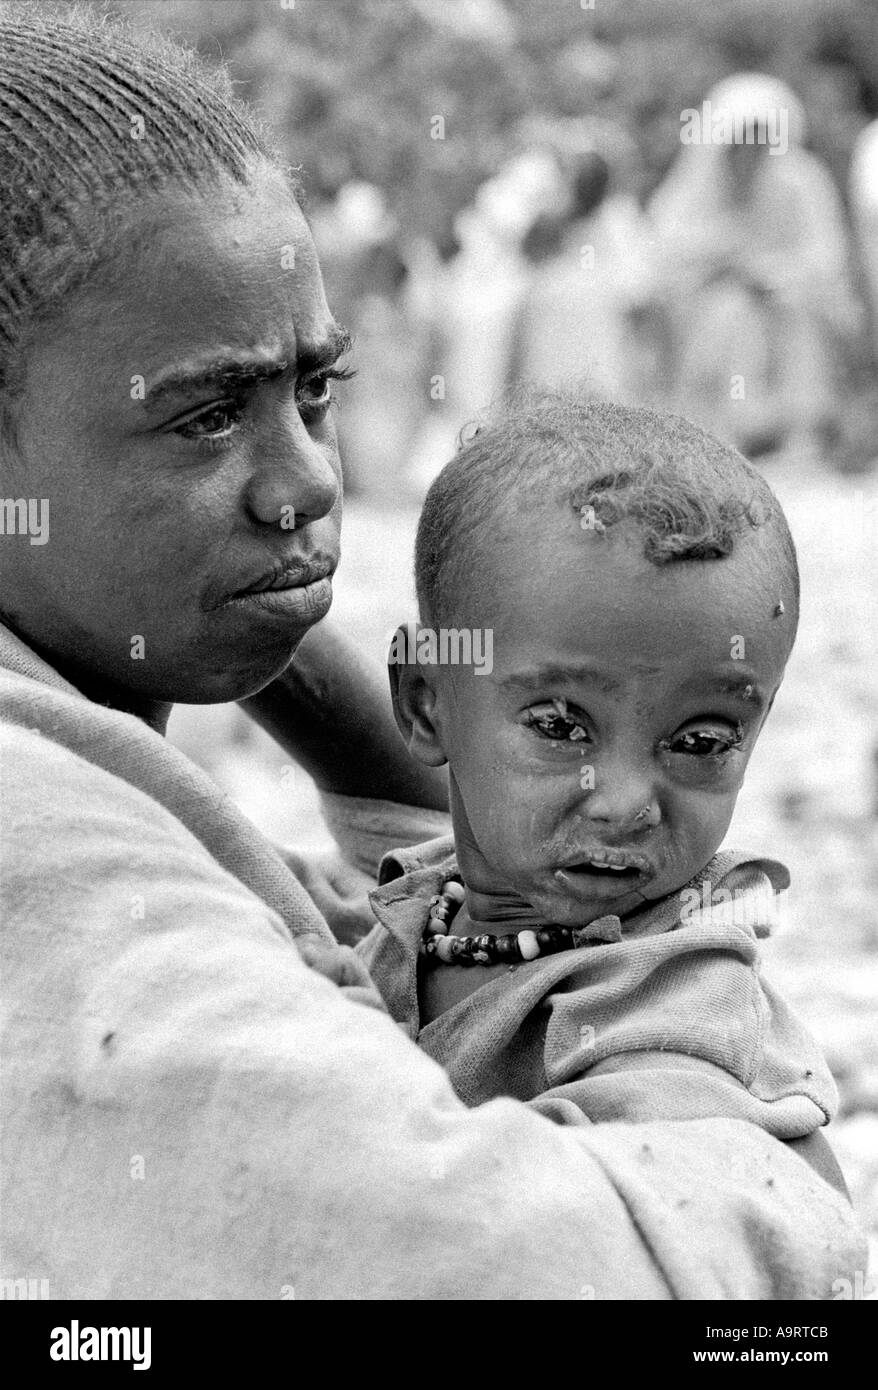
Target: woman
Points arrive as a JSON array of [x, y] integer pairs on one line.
[[203, 1097], [753, 268]]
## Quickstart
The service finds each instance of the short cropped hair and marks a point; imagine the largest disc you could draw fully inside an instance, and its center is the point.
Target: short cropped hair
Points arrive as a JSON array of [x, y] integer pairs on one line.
[[690, 495], [93, 117]]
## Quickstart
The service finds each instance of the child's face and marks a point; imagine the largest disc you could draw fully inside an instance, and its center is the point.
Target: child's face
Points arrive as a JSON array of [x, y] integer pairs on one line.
[[663, 677], [163, 508]]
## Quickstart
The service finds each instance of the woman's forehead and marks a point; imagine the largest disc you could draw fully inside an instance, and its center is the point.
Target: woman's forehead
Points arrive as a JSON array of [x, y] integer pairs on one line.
[[202, 276]]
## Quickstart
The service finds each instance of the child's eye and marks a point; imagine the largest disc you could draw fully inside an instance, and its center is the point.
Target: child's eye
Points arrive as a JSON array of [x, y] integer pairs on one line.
[[553, 720], [314, 394], [708, 742]]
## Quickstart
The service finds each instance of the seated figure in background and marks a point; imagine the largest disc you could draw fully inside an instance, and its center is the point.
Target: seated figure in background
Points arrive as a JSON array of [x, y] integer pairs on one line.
[[751, 264], [579, 321]]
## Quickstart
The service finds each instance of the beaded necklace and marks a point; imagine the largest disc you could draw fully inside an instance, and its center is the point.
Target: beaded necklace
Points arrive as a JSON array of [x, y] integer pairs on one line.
[[489, 949]]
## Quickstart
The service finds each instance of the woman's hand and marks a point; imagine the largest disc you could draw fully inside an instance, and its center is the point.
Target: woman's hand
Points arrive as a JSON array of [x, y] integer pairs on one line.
[[338, 889], [331, 711]]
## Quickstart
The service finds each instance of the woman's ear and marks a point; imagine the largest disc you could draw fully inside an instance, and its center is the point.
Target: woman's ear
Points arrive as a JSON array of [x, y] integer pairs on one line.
[[413, 692]]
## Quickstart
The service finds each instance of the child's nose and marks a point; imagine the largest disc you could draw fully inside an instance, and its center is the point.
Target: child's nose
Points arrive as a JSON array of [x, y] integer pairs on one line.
[[620, 798]]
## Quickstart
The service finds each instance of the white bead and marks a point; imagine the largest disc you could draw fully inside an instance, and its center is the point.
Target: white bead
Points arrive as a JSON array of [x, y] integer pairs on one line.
[[454, 890], [528, 945], [443, 948]]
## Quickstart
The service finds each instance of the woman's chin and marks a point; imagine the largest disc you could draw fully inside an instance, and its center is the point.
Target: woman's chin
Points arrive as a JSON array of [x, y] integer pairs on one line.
[[241, 685], [233, 682]]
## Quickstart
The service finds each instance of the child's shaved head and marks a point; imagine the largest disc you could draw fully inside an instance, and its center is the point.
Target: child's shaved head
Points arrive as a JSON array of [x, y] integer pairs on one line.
[[690, 495]]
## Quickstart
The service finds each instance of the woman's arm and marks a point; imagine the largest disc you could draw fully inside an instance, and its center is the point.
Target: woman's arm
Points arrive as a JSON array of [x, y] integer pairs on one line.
[[294, 1142], [331, 711]]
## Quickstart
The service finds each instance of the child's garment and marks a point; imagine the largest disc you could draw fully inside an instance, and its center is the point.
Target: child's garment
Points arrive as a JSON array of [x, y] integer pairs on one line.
[[663, 1016]]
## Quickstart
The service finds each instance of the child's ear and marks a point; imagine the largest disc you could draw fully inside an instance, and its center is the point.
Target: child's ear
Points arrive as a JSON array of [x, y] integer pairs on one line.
[[414, 700]]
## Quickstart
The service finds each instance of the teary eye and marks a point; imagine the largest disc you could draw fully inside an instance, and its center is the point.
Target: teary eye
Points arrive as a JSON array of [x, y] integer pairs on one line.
[[709, 741], [553, 720]]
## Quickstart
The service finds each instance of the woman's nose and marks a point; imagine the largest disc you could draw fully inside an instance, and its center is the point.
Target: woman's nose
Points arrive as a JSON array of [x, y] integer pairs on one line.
[[293, 480]]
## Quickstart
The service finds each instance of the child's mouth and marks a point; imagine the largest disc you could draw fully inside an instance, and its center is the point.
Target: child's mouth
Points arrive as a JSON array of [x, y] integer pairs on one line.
[[603, 869], [588, 880]]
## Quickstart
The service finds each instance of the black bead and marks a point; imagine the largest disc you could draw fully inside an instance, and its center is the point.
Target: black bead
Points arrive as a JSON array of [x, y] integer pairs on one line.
[[506, 948], [462, 950]]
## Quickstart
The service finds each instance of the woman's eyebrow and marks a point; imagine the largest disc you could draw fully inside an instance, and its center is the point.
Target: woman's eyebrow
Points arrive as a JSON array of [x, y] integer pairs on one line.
[[237, 371]]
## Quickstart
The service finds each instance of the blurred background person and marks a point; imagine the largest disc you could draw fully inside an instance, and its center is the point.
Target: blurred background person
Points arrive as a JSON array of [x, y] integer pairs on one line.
[[752, 265], [366, 258], [864, 207], [580, 322], [477, 301]]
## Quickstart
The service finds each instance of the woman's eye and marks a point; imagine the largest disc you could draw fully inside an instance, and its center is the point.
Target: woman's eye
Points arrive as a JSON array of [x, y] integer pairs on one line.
[[704, 743], [215, 423], [554, 721], [315, 394]]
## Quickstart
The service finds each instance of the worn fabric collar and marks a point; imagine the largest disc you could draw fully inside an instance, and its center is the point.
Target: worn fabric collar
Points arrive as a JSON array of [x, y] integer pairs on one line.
[[408, 878]]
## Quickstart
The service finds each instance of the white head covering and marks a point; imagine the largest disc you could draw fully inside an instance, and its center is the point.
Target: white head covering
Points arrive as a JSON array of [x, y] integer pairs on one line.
[[863, 183], [864, 170], [756, 98], [697, 186]]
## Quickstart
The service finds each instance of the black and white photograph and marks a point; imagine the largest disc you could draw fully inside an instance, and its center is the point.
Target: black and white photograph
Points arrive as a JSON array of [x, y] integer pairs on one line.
[[438, 689]]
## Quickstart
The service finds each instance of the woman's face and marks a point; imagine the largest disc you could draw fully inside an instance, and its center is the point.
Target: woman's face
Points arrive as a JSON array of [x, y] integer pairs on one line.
[[176, 418]]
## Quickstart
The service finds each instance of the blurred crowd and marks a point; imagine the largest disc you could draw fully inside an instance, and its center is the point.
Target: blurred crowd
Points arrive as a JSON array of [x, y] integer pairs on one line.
[[742, 292]]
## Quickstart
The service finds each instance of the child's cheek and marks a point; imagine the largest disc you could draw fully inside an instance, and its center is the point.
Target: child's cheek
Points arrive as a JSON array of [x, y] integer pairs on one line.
[[704, 824], [517, 824], [715, 777]]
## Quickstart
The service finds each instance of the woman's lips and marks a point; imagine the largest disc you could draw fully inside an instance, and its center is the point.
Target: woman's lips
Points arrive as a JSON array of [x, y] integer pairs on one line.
[[304, 602], [296, 572]]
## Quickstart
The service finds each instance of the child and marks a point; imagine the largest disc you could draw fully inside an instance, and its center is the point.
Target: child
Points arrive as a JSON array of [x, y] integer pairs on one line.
[[582, 943]]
